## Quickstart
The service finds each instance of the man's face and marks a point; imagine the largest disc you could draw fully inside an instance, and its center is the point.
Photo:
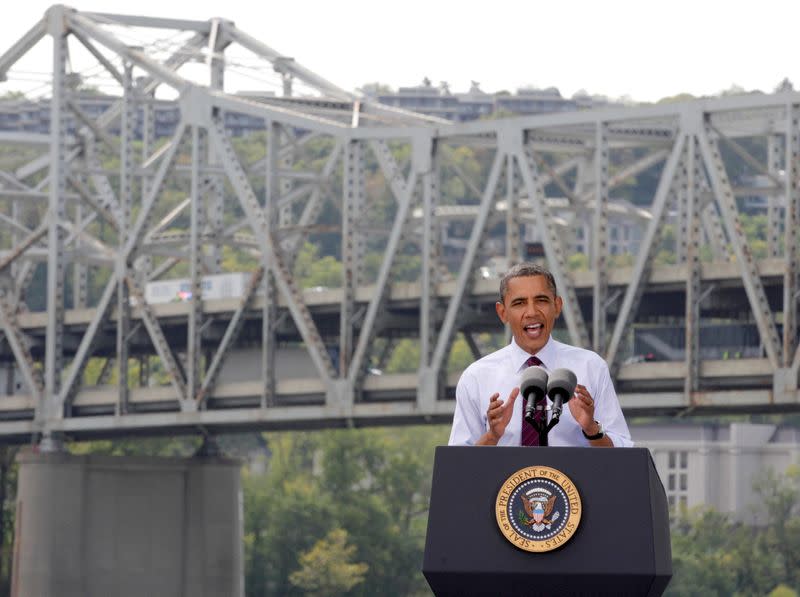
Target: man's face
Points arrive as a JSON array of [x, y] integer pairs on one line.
[[531, 309]]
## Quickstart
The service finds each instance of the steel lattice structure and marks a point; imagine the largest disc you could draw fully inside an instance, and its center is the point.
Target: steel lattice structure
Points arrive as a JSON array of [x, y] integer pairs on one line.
[[106, 209]]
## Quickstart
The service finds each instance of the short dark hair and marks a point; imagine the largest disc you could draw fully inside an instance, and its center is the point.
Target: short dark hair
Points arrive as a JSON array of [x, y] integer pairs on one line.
[[523, 270]]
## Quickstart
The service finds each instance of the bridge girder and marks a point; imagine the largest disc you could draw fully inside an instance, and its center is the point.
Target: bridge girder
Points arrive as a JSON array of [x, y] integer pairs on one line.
[[122, 210]]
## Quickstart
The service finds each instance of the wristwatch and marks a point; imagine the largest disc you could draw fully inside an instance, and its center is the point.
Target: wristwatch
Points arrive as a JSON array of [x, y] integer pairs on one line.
[[601, 433]]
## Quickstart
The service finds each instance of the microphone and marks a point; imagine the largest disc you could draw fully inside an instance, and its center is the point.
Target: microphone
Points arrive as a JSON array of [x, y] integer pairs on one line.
[[533, 387], [560, 389]]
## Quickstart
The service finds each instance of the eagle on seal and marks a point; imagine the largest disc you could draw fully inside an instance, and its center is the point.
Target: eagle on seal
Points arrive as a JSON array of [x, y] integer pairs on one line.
[[538, 512]]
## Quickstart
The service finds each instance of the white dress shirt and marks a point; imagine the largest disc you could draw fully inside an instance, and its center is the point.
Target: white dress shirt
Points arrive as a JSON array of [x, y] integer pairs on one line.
[[500, 372]]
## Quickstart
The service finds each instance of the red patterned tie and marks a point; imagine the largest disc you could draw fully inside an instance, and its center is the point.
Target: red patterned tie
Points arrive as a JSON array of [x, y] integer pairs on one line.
[[530, 437]]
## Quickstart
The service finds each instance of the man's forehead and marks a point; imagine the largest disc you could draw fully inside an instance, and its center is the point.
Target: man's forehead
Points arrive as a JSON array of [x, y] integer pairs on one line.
[[530, 283], [529, 286]]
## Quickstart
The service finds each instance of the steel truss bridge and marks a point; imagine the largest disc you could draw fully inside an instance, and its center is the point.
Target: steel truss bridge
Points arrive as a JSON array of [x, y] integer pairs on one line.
[[114, 212]]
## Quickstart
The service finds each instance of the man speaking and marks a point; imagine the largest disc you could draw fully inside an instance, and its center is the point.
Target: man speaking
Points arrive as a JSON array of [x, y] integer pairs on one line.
[[489, 410]]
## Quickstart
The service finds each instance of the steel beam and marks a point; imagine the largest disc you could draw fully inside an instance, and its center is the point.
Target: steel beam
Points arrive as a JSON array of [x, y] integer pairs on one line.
[[273, 259], [106, 197], [553, 246], [100, 57], [21, 246], [744, 257], [291, 209], [124, 214], [314, 204], [714, 232], [269, 310], [426, 160], [512, 214], [149, 22], [644, 260], [138, 229], [194, 327], [286, 64], [353, 246], [80, 273], [690, 190], [466, 274], [90, 30], [48, 408], [791, 277], [774, 143], [171, 363], [269, 342], [404, 195], [600, 238], [19, 347], [88, 343], [228, 338], [23, 45], [217, 43]]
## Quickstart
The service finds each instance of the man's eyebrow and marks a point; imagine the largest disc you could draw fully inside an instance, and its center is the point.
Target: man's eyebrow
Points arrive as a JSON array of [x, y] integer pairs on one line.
[[536, 296]]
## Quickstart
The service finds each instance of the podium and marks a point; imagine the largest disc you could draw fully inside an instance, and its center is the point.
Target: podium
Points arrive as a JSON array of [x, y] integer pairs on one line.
[[620, 545]]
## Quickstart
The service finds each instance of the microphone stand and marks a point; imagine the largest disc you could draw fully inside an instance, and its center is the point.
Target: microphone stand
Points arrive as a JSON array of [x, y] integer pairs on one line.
[[541, 426]]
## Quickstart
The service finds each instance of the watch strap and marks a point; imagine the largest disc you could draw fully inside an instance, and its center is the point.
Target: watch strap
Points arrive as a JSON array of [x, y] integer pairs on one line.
[[601, 433]]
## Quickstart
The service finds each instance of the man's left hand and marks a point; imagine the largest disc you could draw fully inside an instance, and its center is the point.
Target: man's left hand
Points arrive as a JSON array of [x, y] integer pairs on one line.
[[582, 408]]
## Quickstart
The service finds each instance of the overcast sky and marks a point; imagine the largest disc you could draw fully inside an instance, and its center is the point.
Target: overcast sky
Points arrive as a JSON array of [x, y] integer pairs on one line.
[[615, 48]]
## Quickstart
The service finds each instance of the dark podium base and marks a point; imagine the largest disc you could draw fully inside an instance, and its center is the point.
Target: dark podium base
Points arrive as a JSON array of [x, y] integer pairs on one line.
[[620, 548]]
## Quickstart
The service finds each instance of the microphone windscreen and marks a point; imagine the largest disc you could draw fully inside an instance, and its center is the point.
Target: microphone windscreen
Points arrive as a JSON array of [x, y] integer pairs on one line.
[[562, 380], [534, 379]]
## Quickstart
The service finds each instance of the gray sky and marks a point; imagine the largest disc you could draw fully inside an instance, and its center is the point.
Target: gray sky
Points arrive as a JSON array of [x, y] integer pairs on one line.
[[614, 47]]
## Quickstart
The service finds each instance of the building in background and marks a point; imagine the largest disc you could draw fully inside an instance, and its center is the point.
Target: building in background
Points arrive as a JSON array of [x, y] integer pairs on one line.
[[474, 104], [33, 115], [715, 465]]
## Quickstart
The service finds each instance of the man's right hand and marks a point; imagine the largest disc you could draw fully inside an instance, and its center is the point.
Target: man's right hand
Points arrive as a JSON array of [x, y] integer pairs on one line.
[[498, 415]]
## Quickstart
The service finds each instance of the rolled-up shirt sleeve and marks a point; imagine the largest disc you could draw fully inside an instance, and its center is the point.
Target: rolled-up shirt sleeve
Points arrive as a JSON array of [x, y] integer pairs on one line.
[[469, 422], [609, 412]]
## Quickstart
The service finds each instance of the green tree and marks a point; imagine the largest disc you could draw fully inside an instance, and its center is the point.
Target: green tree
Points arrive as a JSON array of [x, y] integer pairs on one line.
[[284, 511], [372, 483], [460, 354], [462, 171], [779, 496], [327, 569], [715, 555], [378, 482], [782, 591], [405, 357], [700, 559], [681, 97], [312, 270], [578, 262], [8, 493]]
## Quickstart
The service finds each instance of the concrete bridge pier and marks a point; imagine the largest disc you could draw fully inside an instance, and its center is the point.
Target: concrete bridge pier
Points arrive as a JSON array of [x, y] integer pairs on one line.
[[93, 526]]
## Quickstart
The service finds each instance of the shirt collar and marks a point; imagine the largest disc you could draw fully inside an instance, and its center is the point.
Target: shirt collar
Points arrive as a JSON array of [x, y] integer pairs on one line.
[[546, 354]]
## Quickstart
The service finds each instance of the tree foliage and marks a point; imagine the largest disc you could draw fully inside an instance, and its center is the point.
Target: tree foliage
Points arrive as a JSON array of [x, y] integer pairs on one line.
[[326, 569], [313, 270], [373, 485], [713, 554]]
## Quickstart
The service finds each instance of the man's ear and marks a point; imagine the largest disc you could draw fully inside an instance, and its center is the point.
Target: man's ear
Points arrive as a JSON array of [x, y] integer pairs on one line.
[[559, 305], [501, 311]]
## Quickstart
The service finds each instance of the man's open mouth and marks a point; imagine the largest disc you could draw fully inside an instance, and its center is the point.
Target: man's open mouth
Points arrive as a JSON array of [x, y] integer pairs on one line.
[[534, 329]]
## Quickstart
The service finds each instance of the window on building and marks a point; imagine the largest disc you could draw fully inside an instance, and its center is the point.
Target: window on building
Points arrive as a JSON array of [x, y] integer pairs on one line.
[[678, 478]]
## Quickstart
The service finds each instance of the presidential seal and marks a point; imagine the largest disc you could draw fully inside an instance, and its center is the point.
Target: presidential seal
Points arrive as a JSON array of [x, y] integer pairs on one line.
[[538, 509]]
